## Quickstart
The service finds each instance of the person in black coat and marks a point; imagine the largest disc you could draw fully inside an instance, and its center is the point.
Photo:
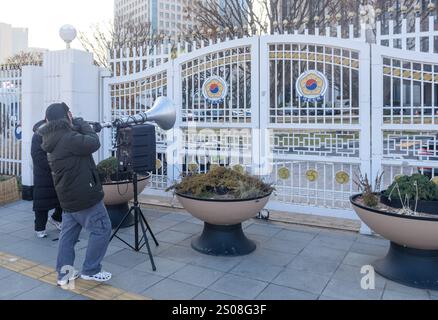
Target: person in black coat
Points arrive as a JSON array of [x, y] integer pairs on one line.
[[44, 194]]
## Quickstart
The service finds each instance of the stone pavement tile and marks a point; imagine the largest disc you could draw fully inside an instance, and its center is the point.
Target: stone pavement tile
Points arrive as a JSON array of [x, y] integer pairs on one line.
[[332, 242], [353, 274], [155, 214], [176, 217], [165, 267], [324, 253], [274, 292], [274, 258], [187, 227], [127, 258], [45, 292], [258, 271], [326, 298], [180, 254], [7, 240], [210, 295], [240, 287], [433, 294], [285, 246], [188, 242], [15, 285], [169, 289], [292, 235], [22, 205], [302, 280], [134, 281], [372, 250], [12, 227], [103, 292], [314, 264], [339, 234], [198, 276], [346, 290], [358, 259], [159, 225], [19, 265], [29, 234], [394, 288], [4, 273], [396, 295], [38, 272], [32, 251], [173, 237], [195, 221], [224, 264], [79, 297], [262, 230], [374, 240]]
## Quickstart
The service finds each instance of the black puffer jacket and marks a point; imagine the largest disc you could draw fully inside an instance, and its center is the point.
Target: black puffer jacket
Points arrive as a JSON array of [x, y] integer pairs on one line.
[[73, 169], [44, 194]]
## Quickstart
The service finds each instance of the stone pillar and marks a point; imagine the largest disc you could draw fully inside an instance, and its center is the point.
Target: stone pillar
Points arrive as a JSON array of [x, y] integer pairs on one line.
[[68, 76], [32, 112]]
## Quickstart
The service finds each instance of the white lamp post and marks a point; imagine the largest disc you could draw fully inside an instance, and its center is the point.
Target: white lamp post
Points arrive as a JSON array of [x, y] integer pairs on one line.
[[68, 33]]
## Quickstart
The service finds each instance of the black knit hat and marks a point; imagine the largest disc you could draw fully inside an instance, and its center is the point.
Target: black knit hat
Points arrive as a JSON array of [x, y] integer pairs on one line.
[[57, 111]]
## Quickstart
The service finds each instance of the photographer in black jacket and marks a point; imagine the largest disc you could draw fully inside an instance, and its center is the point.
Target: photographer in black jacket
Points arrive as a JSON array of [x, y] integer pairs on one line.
[[44, 194], [70, 144]]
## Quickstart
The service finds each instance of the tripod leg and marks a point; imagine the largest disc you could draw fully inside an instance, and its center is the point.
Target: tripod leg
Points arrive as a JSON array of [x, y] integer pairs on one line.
[[121, 224], [147, 242], [149, 228]]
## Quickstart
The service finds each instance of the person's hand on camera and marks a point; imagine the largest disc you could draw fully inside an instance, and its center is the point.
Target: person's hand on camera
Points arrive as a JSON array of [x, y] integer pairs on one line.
[[81, 126], [97, 127]]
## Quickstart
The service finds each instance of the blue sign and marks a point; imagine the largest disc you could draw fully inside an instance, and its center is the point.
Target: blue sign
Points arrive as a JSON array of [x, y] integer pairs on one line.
[[18, 132]]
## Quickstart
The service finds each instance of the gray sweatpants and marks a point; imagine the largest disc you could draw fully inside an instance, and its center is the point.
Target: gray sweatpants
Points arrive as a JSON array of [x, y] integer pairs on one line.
[[94, 220]]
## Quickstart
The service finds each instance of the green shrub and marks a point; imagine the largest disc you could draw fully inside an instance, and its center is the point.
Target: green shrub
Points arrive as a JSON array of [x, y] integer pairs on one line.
[[107, 168], [427, 190], [223, 183]]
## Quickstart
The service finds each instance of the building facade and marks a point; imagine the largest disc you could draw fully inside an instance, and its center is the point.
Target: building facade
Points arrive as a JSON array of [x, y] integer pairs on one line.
[[12, 41], [165, 16]]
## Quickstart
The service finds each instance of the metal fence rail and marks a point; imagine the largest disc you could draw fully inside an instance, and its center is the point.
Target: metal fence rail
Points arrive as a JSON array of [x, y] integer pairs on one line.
[[10, 121]]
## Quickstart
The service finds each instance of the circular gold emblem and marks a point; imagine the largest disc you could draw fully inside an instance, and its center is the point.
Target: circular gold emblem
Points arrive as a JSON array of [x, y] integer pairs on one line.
[[284, 173], [342, 177], [312, 175]]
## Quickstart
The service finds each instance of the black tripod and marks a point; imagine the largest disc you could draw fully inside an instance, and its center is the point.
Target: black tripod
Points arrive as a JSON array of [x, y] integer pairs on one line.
[[139, 218]]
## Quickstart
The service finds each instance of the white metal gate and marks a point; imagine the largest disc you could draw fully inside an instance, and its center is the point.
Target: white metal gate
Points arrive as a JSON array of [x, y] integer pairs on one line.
[[318, 147], [312, 152], [10, 121]]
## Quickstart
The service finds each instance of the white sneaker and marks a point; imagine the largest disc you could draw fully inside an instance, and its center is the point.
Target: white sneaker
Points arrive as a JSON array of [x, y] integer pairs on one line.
[[73, 277], [56, 224], [41, 234], [102, 276]]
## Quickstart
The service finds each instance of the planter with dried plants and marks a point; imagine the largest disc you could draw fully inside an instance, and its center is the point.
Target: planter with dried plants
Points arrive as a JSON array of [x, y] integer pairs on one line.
[[223, 199], [413, 255]]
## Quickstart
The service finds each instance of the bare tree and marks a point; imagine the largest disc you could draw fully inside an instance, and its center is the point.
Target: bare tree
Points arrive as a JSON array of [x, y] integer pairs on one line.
[[104, 38], [25, 59], [237, 17]]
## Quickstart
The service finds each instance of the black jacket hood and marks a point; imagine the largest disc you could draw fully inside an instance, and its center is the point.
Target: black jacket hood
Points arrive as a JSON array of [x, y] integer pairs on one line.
[[38, 125], [52, 132]]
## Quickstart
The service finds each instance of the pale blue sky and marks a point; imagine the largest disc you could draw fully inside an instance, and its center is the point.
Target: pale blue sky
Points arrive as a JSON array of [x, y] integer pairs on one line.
[[45, 17]]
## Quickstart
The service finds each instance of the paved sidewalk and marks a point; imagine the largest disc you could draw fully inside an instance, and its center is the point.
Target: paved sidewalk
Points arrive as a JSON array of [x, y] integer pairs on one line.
[[291, 262]]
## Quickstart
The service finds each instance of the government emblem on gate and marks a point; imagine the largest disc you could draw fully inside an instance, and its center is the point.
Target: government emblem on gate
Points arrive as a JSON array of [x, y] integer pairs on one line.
[[215, 89], [312, 86]]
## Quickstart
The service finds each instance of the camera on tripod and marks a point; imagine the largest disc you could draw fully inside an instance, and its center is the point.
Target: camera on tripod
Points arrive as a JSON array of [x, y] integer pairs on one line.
[[136, 154], [136, 139]]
